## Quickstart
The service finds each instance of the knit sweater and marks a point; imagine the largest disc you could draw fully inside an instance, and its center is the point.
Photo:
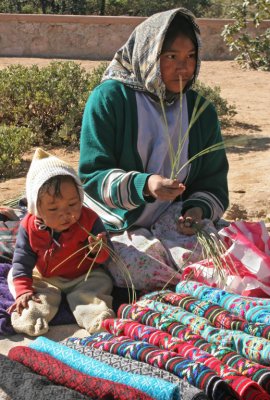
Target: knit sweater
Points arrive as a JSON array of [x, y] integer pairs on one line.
[[111, 169], [67, 256]]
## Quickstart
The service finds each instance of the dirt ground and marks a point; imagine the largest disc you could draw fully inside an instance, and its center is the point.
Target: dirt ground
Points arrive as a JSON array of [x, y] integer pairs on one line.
[[249, 171]]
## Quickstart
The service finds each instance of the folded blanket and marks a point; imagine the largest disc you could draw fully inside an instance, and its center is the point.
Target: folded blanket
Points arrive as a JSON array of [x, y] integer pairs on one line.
[[62, 374], [226, 355], [215, 314], [187, 391], [252, 309], [154, 387], [20, 383], [197, 374], [136, 331], [251, 347]]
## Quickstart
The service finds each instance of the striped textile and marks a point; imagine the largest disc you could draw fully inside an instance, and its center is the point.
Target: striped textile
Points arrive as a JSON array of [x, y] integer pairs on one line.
[[215, 314], [254, 348], [226, 355], [153, 387], [163, 340], [186, 338], [196, 374], [17, 382], [186, 391], [62, 374], [252, 309], [246, 261]]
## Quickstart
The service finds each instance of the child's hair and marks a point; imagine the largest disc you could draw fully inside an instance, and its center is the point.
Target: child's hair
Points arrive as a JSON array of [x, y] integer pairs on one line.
[[180, 25], [53, 186]]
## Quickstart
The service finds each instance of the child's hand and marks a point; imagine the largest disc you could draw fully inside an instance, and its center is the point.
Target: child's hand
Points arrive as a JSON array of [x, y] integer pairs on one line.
[[188, 222], [95, 243], [22, 302]]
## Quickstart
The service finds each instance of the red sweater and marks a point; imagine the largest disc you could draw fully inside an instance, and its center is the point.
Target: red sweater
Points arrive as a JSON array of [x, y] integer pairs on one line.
[[66, 257]]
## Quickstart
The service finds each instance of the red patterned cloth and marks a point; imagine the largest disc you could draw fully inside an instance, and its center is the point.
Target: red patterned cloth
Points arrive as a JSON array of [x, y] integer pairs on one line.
[[62, 374], [215, 314], [240, 384], [197, 374], [257, 372]]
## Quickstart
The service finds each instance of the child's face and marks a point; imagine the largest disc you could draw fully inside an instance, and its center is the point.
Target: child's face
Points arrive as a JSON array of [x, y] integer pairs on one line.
[[179, 60], [59, 213]]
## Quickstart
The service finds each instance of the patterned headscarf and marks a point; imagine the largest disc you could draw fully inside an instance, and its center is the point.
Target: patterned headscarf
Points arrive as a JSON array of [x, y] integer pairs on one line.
[[136, 63]]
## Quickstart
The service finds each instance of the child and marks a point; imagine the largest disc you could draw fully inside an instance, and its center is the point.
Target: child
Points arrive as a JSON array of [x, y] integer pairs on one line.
[[58, 241]]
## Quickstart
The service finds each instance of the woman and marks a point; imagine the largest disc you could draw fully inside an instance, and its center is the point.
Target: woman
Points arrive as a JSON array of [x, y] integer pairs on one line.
[[134, 124]]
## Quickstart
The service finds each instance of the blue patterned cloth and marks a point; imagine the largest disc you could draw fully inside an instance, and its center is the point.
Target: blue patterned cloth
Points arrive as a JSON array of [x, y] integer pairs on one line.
[[253, 309], [154, 387], [254, 348]]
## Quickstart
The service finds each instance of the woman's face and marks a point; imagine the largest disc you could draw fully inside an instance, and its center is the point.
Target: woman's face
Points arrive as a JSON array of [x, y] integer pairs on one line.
[[178, 63]]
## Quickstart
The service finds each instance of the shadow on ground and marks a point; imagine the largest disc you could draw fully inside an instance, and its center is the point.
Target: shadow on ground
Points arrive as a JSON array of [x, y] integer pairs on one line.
[[245, 142]]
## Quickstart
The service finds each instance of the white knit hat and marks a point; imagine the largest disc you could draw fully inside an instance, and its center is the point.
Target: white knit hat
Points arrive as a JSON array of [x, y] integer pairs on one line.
[[43, 167]]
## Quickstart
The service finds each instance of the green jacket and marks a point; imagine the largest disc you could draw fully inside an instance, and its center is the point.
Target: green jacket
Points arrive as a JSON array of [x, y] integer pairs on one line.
[[111, 168]]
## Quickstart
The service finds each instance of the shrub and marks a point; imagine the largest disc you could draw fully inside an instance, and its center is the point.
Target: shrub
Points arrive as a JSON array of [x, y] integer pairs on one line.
[[225, 111], [48, 100], [14, 142], [252, 50], [96, 75]]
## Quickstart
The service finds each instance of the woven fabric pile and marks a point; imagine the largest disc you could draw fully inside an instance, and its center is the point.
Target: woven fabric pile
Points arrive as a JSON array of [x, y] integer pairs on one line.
[[195, 343]]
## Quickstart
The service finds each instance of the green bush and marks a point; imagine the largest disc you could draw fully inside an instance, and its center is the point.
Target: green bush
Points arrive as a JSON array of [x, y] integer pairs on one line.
[[225, 111], [96, 75], [252, 49], [14, 142], [48, 100]]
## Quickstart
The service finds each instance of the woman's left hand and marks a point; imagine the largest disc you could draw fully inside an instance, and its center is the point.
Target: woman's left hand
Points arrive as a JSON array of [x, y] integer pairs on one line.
[[187, 222]]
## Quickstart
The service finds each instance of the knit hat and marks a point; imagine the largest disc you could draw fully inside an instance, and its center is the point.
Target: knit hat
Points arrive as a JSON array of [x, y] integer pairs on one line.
[[43, 167]]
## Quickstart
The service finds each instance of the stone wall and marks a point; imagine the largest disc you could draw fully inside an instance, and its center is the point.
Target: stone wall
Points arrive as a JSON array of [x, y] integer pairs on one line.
[[88, 37]]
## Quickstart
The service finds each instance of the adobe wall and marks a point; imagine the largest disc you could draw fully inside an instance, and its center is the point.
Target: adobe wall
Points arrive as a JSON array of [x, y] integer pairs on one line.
[[88, 37]]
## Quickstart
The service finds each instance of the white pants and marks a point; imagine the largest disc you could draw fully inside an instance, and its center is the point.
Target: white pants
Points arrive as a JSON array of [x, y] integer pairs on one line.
[[89, 301]]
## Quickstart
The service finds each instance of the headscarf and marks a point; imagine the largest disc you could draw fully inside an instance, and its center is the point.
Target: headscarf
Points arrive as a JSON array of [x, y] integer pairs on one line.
[[137, 62]]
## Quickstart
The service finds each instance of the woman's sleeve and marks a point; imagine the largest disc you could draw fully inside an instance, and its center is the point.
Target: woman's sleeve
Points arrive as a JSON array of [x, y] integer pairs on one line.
[[105, 143], [208, 187]]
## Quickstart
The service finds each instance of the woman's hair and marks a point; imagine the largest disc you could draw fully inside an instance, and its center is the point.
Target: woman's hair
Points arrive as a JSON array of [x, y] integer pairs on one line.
[[53, 186], [180, 26]]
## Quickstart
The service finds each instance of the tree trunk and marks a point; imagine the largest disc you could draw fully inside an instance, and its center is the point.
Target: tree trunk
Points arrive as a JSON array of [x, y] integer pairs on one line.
[[44, 6], [102, 7]]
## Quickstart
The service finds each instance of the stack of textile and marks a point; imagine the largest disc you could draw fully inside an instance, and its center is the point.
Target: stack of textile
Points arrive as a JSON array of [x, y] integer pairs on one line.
[[195, 343]]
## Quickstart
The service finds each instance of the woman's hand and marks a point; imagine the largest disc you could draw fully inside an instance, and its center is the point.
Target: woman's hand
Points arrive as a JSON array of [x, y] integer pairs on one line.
[[163, 188], [187, 223], [22, 302], [95, 243]]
